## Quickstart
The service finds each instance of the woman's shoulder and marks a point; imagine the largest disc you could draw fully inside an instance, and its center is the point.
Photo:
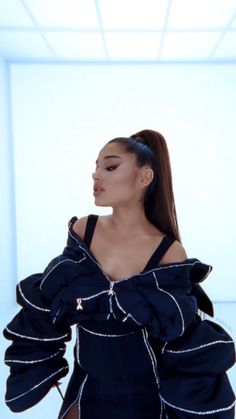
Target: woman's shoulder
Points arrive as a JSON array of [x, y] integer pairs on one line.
[[78, 225], [175, 254]]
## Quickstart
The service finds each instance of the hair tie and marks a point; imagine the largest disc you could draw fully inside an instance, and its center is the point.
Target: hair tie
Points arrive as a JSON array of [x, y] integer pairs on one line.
[[140, 140]]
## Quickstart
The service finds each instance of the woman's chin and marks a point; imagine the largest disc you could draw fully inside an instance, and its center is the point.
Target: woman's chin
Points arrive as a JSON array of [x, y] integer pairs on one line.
[[101, 203]]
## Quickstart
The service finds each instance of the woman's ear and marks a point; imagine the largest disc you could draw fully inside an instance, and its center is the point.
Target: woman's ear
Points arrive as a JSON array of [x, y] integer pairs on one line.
[[146, 176]]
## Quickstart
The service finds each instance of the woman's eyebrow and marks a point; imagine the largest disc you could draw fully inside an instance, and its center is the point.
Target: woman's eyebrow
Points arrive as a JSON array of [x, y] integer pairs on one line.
[[109, 157]]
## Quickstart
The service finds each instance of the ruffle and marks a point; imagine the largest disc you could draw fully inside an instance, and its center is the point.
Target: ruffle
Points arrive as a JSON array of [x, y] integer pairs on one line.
[[192, 372], [73, 289], [28, 387], [67, 280], [192, 270], [35, 356], [167, 311], [161, 298]]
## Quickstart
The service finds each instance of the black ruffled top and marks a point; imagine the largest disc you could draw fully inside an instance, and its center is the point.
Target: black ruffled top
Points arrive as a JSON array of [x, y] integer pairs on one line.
[[141, 352]]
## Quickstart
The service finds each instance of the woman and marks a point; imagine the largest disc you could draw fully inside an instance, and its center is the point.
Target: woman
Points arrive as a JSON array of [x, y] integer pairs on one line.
[[142, 351]]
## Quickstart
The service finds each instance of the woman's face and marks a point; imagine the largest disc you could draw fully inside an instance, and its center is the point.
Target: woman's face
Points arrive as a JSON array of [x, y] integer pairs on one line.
[[118, 180]]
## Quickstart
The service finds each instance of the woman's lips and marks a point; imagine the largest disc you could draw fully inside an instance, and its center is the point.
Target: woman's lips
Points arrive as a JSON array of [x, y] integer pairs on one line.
[[97, 190]]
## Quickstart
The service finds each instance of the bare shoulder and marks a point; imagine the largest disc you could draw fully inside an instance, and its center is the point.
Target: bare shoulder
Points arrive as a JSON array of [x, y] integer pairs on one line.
[[176, 253], [80, 225]]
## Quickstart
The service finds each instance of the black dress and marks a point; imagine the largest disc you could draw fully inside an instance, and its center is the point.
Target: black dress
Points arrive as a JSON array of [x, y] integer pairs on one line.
[[142, 351]]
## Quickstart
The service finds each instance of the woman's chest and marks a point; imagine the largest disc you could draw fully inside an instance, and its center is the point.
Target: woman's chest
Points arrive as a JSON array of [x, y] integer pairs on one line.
[[123, 259]]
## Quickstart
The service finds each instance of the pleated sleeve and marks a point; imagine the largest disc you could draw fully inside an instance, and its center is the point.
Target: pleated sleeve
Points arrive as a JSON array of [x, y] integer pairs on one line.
[[35, 356], [193, 354], [192, 371]]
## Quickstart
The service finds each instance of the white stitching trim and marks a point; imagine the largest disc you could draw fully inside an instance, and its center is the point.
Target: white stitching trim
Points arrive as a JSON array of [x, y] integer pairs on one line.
[[77, 346], [110, 305], [117, 302], [71, 235], [32, 362], [37, 385], [200, 346], [161, 412], [152, 356], [94, 295], [33, 305], [176, 302], [80, 395], [164, 347], [81, 247], [106, 335], [206, 412], [179, 265], [128, 315], [72, 404], [33, 338], [59, 263], [132, 317]]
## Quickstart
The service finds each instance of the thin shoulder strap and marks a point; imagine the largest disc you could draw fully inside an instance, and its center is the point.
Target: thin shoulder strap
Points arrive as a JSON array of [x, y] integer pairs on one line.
[[89, 229], [160, 251]]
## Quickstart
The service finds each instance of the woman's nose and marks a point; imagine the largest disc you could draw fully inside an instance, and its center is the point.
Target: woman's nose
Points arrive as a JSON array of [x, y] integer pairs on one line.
[[96, 176]]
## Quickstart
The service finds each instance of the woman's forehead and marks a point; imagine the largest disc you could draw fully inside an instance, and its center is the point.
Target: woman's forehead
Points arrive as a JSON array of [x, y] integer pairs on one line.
[[113, 150], [112, 147]]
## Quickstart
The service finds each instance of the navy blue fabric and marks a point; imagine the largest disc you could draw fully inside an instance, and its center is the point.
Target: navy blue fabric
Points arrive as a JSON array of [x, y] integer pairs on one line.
[[142, 351], [160, 252], [90, 227]]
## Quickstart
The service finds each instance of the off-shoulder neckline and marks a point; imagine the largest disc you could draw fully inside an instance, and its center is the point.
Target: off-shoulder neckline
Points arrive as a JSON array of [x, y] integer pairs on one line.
[[76, 236]]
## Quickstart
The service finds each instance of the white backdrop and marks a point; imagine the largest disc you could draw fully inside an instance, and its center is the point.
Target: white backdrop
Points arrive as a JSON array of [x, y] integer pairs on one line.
[[63, 114]]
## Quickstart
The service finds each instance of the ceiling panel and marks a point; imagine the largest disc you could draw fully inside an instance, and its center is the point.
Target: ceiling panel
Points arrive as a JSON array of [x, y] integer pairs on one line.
[[23, 44], [12, 13], [77, 45], [118, 29], [138, 46], [188, 45], [200, 14], [64, 13], [133, 14]]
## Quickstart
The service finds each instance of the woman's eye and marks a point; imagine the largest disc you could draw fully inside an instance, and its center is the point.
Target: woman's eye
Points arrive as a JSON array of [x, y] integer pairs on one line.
[[110, 168]]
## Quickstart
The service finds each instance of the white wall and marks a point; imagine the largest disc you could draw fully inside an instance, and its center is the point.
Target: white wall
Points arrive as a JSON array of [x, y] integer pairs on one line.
[[8, 275], [7, 207], [62, 115]]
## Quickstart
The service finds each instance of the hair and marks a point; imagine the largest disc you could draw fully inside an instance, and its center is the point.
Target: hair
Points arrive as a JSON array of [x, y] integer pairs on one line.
[[159, 205]]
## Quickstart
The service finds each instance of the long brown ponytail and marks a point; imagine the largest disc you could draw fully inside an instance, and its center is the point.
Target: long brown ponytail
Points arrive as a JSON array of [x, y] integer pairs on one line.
[[150, 148]]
